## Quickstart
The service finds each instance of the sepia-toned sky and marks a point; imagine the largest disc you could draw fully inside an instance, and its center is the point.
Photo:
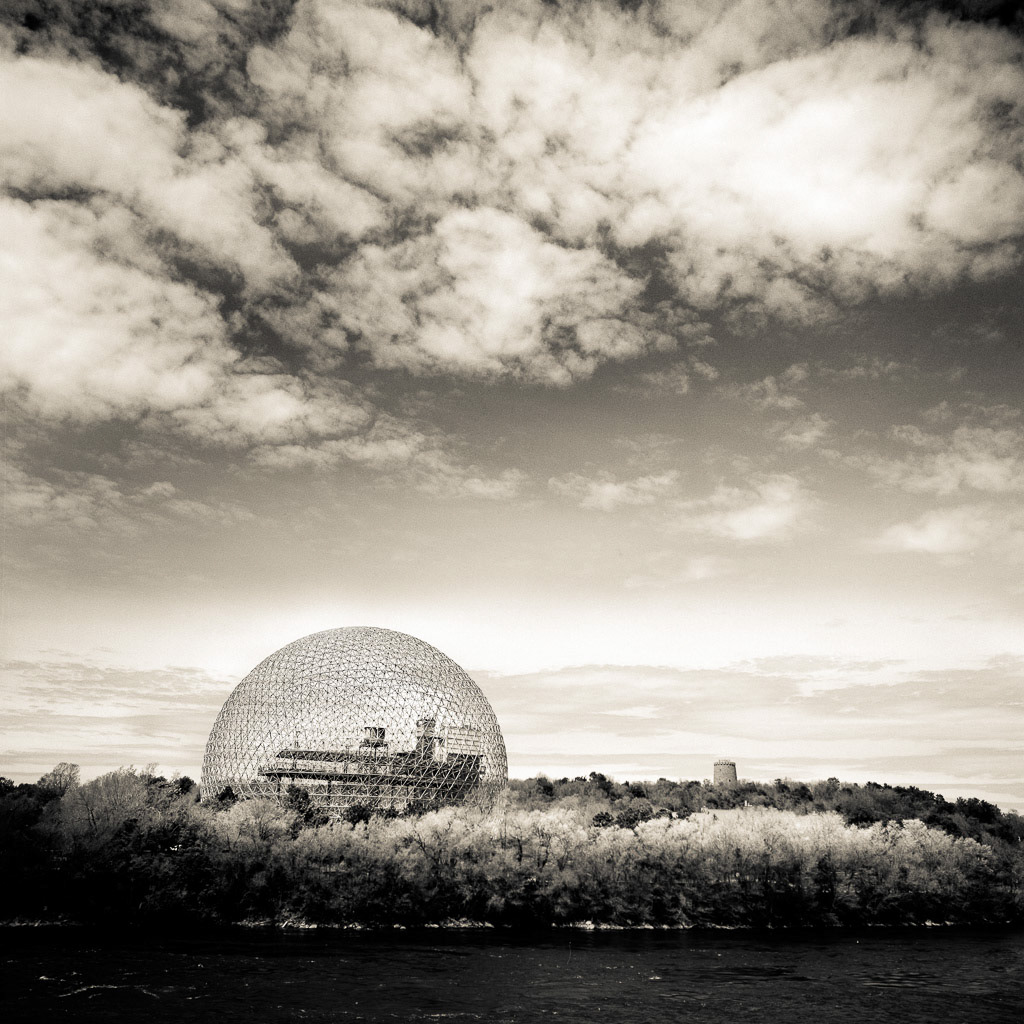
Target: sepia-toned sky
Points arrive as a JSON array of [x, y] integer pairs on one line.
[[661, 363]]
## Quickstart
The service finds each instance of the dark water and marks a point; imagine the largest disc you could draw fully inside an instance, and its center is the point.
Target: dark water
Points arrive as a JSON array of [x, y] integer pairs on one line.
[[929, 976]]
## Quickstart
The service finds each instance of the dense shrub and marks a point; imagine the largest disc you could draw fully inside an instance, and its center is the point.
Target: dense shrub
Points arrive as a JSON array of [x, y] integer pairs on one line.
[[132, 848]]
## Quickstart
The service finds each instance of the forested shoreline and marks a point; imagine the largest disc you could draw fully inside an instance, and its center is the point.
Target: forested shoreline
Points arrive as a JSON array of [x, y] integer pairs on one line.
[[134, 849]]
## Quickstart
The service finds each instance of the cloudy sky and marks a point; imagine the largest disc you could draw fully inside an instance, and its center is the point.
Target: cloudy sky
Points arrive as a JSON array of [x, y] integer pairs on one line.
[[659, 362]]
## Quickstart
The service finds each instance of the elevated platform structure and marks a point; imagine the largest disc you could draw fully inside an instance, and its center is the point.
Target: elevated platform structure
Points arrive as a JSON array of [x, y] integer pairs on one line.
[[339, 778]]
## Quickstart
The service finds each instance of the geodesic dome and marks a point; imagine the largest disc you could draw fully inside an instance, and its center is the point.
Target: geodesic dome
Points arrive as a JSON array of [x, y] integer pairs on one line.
[[356, 716]]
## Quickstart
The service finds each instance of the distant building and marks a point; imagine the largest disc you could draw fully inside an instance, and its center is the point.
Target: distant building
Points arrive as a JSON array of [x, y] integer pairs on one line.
[[725, 773]]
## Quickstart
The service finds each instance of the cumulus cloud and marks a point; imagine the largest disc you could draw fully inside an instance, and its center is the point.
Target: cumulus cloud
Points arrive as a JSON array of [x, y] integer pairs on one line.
[[71, 127], [677, 378], [972, 457], [428, 461], [489, 190], [94, 335], [943, 532], [485, 291], [212, 213], [804, 432], [967, 462], [91, 501], [867, 368], [767, 508], [835, 167], [763, 508], [607, 494], [958, 531], [772, 392], [97, 328]]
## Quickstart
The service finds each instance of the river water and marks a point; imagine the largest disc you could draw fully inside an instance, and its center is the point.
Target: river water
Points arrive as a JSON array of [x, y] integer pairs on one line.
[[928, 976]]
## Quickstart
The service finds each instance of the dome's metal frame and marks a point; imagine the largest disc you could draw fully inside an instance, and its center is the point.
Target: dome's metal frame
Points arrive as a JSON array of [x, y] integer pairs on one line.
[[358, 715]]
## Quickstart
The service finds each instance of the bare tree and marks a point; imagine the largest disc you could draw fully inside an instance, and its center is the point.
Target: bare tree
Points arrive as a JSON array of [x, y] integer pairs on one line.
[[62, 778]]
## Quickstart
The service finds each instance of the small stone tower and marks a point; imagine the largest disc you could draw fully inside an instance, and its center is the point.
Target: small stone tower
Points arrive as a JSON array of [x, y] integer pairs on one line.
[[725, 773]]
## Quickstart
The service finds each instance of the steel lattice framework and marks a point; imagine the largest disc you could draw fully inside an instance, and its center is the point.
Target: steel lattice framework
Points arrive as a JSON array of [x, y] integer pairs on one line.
[[356, 716]]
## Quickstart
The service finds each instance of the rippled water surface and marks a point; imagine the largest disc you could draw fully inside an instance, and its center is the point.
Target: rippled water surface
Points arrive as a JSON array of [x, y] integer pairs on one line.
[[927, 976]]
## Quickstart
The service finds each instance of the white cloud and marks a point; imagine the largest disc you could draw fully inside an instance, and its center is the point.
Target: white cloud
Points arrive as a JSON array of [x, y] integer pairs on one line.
[[430, 462], [607, 494], [506, 485], [465, 196], [767, 508], [971, 457], [98, 329], [318, 205], [380, 92], [941, 532], [67, 126], [772, 392], [958, 531], [827, 174], [806, 431], [93, 502], [92, 337], [867, 368], [486, 292], [679, 376], [488, 194], [272, 408]]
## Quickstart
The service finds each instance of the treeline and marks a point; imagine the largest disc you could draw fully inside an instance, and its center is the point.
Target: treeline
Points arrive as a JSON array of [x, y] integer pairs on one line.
[[858, 805], [132, 848]]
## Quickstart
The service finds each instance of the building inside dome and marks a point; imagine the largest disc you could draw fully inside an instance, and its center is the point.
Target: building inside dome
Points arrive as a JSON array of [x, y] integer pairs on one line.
[[358, 715]]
